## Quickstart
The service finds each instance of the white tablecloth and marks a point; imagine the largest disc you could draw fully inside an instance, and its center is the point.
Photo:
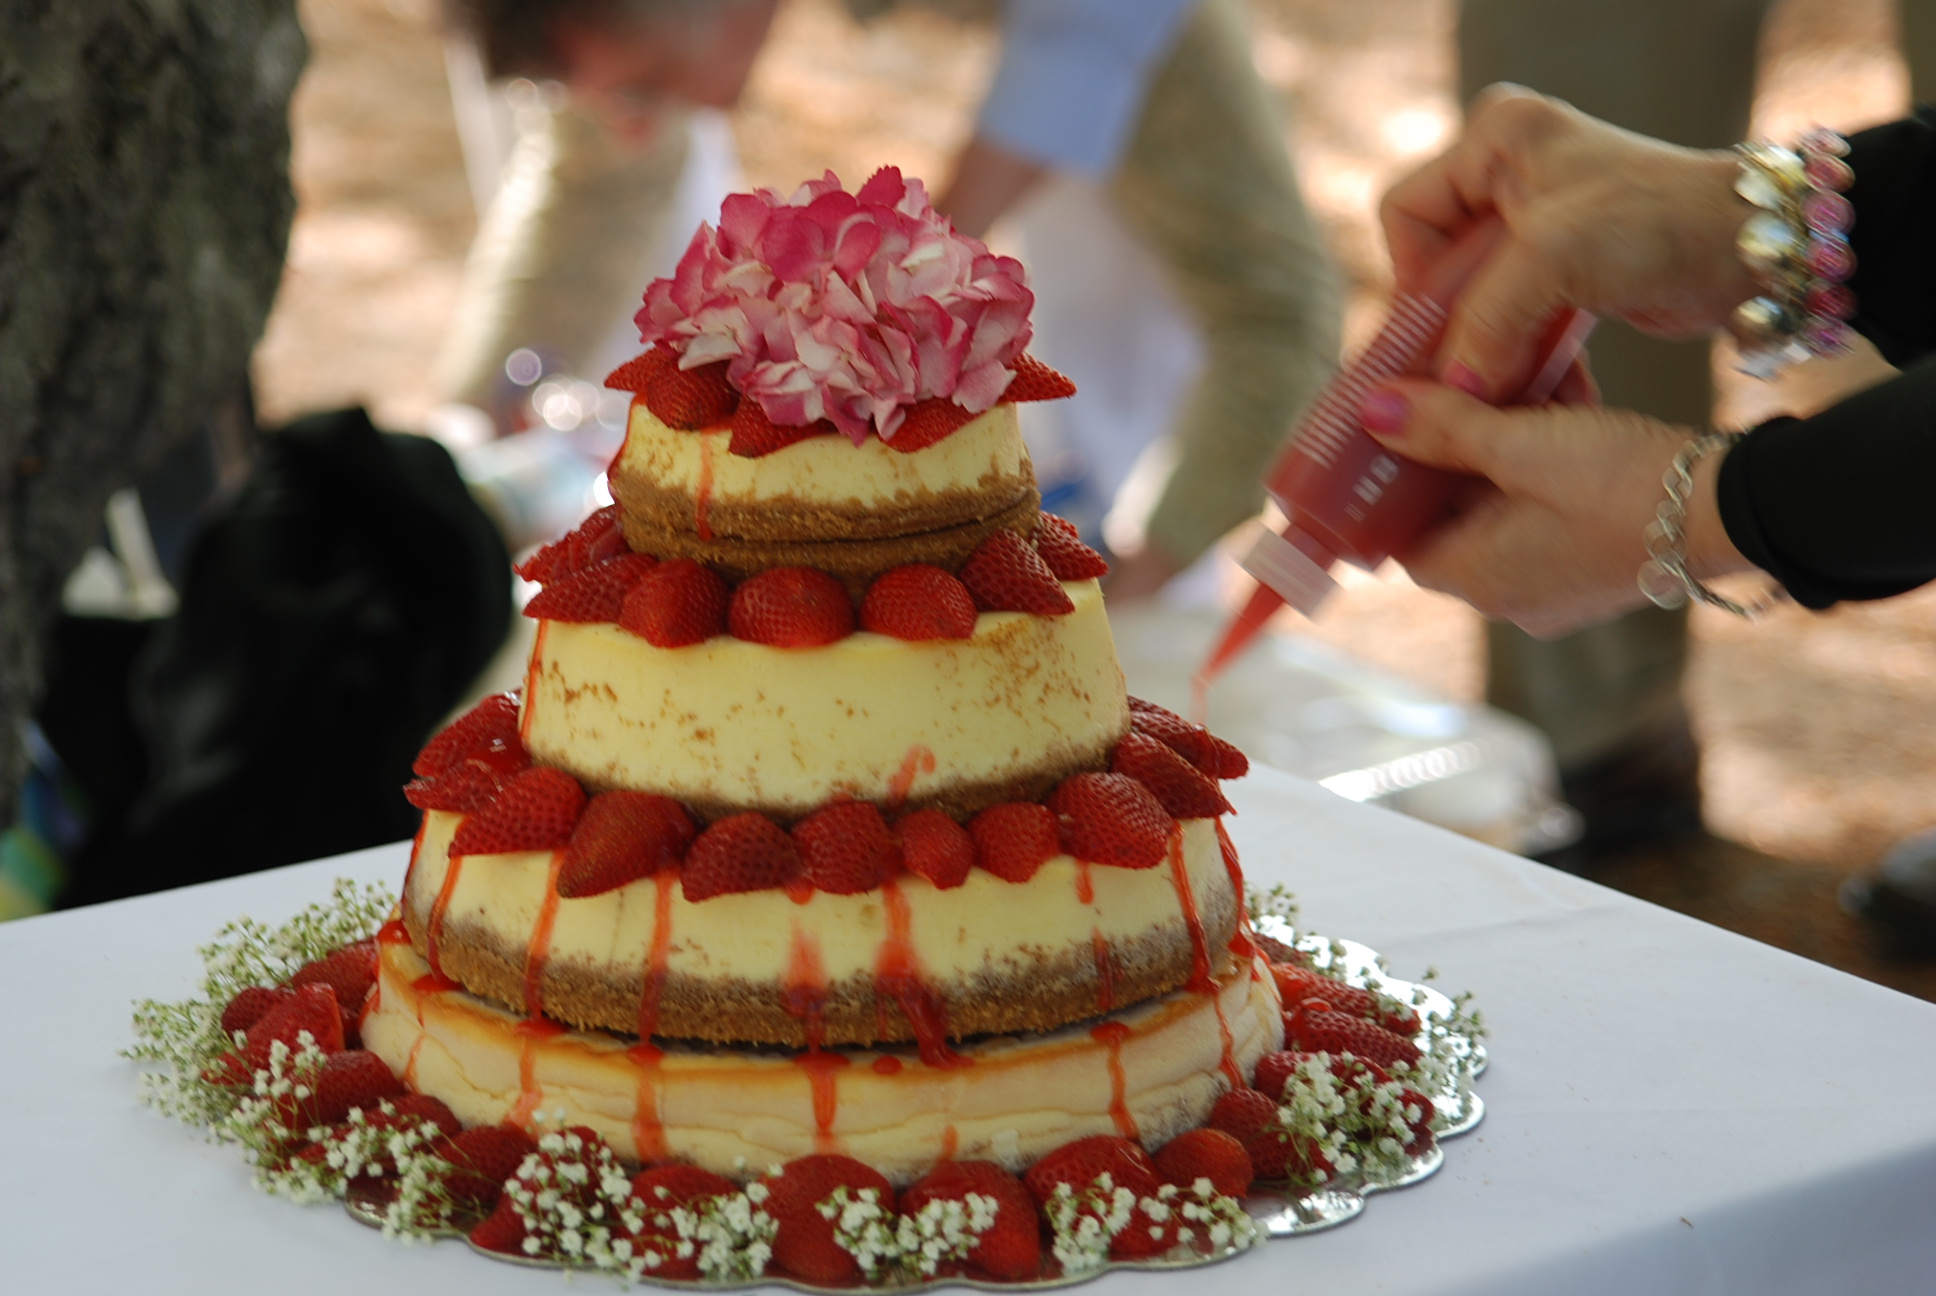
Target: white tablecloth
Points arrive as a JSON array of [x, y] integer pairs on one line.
[[1670, 1108]]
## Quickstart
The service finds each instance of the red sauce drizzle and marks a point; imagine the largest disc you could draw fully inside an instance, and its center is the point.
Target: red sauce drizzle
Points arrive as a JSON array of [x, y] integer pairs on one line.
[[702, 497], [1242, 942], [821, 1068], [431, 984], [531, 673], [799, 890], [648, 1131], [897, 972], [1085, 883], [1113, 1033], [538, 952], [534, 1030], [1187, 901], [919, 760], [887, 1064], [393, 933], [950, 1143], [434, 929], [1105, 972], [806, 1000], [410, 1066]]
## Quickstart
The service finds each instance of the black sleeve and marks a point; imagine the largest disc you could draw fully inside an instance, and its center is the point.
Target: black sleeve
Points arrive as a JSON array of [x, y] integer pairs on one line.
[[1841, 505], [1894, 196]]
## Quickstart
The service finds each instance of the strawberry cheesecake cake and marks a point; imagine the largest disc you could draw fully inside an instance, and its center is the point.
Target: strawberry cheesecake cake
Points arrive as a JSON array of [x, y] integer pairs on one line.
[[823, 823]]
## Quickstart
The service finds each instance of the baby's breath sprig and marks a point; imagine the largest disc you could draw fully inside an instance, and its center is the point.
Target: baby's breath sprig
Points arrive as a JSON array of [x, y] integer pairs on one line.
[[183, 1039], [1277, 903], [1225, 1223], [895, 1249], [1082, 1225], [732, 1234], [578, 1207], [1451, 1058]]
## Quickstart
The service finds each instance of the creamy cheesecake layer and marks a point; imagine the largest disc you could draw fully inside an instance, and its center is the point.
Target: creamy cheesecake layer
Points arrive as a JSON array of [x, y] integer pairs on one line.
[[1151, 1072], [1074, 941], [728, 725], [822, 488]]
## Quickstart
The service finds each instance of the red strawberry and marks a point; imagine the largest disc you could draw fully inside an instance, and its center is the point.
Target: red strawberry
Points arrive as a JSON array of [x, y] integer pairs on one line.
[[415, 1108], [482, 1159], [1206, 1154], [1336, 1032], [791, 607], [1242, 1113], [1014, 839], [1035, 381], [535, 810], [746, 852], [1178, 786], [918, 602], [1111, 819], [661, 1189], [1193, 742], [1276, 1154], [755, 435], [621, 837], [352, 1078], [1273, 1069], [1011, 1248], [250, 1007], [845, 848], [502, 1232], [488, 732], [1419, 1114], [595, 594], [350, 971], [927, 422], [1005, 575], [1061, 547], [310, 1008], [635, 373], [691, 399], [804, 1245], [1296, 985], [1078, 1165], [595, 540], [465, 788], [678, 603], [936, 847]]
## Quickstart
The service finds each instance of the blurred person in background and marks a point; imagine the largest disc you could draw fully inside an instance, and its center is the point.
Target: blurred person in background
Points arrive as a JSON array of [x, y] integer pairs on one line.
[[1179, 279], [1682, 242]]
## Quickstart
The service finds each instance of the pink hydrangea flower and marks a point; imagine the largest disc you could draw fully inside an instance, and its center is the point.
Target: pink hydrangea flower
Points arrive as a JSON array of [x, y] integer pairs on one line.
[[848, 307]]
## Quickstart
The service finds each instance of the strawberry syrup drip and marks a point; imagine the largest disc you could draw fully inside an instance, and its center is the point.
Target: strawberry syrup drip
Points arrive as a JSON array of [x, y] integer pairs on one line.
[[393, 933], [1186, 900], [534, 1031], [806, 1001], [1243, 942], [531, 674], [897, 972], [648, 1130], [1085, 883], [538, 952], [950, 1143], [410, 1064], [919, 760], [887, 1064], [822, 1068], [1113, 1033], [1105, 972], [434, 929], [702, 496]]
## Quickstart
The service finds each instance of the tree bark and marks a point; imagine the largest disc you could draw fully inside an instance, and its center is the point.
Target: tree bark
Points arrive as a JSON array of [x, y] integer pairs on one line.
[[144, 212]]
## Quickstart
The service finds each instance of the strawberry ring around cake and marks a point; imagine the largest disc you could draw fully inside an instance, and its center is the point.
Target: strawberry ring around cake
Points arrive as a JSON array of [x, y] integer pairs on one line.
[[991, 956], [726, 726], [1148, 1072]]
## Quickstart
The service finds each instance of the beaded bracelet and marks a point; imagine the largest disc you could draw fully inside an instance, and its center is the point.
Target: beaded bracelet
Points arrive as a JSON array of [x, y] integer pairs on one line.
[[1664, 577], [1797, 247]]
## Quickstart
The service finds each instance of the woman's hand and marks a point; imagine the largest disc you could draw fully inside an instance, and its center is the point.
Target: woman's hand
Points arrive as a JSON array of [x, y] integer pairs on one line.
[[1551, 539], [1596, 217]]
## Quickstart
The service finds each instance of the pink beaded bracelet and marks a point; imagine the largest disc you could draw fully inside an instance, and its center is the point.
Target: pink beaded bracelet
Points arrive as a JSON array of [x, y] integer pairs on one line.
[[1797, 247]]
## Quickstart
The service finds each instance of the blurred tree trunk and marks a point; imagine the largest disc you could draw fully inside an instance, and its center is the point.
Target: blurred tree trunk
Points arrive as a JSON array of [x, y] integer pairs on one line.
[[144, 210]]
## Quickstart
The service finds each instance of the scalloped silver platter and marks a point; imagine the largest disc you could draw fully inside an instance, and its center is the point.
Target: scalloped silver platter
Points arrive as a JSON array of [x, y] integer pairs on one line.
[[1275, 1212]]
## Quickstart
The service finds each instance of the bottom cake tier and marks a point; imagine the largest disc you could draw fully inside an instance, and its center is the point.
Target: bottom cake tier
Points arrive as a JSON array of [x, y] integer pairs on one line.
[[1149, 1072]]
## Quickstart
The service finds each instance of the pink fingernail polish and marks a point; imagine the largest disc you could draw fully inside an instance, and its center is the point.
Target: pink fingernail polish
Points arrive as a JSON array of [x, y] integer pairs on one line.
[[1385, 412], [1466, 379]]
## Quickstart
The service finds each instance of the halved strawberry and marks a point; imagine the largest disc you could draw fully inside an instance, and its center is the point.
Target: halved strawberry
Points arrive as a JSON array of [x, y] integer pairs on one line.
[[621, 837], [1061, 547], [927, 422], [791, 607], [755, 435], [1015, 838], [1336, 1032], [1180, 787], [804, 1246], [678, 603], [691, 399], [1297, 984], [595, 594], [1111, 819], [1193, 742], [1035, 381], [310, 1008], [597, 539], [1005, 575], [481, 1159], [350, 971], [1011, 1248], [745, 852], [487, 732], [353, 1078], [1206, 1154], [635, 373], [936, 847], [918, 602], [845, 848], [1080, 1163], [534, 810], [660, 1190], [466, 788], [251, 1006]]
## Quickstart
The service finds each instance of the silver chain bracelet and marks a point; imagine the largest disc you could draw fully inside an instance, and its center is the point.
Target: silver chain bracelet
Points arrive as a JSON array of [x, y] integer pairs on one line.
[[1664, 577]]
